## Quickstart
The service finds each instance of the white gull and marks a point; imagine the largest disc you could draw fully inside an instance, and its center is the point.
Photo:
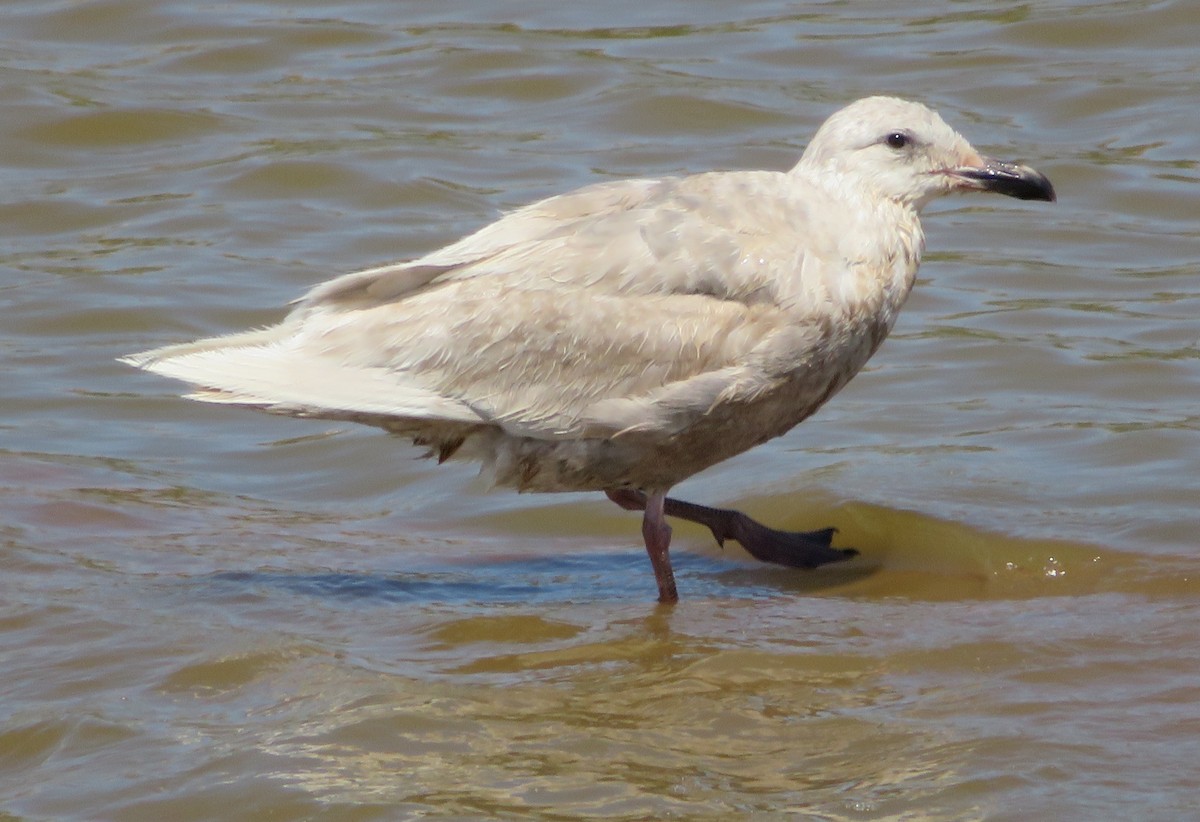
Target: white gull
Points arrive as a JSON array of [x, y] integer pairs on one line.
[[629, 334]]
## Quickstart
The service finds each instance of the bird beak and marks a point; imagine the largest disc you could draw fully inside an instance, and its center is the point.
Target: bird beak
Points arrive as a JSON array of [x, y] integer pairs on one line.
[[1009, 179]]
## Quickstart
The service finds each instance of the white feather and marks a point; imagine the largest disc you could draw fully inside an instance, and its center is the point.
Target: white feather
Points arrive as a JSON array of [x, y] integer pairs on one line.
[[629, 333]]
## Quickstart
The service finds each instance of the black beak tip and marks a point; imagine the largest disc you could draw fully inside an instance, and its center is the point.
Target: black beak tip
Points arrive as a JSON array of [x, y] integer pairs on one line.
[[1011, 180], [1049, 194], [1037, 187]]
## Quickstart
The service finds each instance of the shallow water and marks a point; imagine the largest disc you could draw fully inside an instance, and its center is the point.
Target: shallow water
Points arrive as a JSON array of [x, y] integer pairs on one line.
[[209, 613]]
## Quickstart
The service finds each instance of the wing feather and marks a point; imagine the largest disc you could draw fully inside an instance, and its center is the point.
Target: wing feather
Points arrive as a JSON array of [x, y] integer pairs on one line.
[[629, 306]]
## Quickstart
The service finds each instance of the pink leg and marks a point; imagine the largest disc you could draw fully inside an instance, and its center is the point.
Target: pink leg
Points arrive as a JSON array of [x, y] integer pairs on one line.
[[657, 534]]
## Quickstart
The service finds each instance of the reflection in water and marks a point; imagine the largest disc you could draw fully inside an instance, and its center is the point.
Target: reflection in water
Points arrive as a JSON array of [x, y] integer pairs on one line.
[[535, 581]]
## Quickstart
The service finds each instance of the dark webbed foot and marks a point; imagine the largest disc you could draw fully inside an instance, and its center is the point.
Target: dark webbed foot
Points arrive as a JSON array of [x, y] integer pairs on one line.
[[795, 549]]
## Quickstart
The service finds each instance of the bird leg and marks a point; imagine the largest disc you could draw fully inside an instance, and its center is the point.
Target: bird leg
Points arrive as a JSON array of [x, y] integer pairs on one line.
[[796, 549], [657, 534]]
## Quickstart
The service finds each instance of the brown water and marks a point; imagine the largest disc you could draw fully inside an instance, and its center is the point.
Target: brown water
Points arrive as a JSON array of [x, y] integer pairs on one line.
[[208, 613]]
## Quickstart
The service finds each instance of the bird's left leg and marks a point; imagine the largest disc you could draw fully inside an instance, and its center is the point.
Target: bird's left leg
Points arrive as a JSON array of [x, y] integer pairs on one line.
[[657, 534]]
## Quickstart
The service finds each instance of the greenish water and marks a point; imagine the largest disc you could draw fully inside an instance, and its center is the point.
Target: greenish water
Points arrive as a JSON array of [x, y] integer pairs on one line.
[[209, 613]]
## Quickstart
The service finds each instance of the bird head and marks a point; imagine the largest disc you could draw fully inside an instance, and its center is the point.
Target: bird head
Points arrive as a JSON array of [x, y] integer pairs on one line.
[[903, 151]]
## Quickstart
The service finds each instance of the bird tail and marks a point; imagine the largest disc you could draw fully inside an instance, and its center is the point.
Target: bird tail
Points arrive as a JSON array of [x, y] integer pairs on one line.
[[269, 370]]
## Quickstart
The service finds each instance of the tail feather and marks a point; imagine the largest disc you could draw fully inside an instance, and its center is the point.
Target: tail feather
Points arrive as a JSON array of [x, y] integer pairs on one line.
[[260, 369]]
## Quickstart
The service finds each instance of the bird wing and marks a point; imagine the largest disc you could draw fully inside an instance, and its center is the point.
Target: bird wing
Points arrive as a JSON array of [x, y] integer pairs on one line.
[[626, 306], [723, 234], [637, 305], [564, 364]]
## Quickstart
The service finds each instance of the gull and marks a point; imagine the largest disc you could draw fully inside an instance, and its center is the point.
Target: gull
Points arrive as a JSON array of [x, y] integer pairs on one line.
[[627, 335]]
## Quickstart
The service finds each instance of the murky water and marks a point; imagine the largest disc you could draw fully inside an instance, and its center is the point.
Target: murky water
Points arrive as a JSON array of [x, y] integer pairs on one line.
[[209, 613]]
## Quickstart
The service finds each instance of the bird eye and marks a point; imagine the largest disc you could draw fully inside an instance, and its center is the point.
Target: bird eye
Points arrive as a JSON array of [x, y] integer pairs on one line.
[[897, 139]]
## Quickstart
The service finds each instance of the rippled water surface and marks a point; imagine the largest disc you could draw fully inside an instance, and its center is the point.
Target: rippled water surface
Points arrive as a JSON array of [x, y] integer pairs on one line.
[[209, 613]]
